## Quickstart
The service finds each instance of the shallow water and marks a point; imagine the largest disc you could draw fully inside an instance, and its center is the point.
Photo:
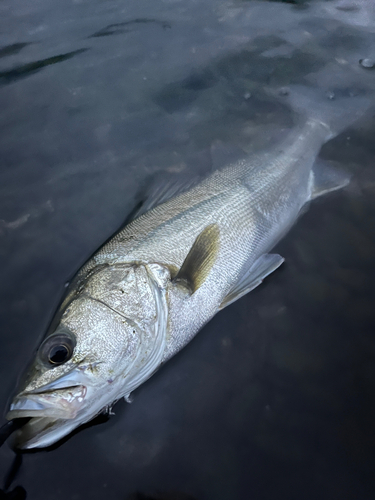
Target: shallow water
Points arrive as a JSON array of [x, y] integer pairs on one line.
[[275, 397]]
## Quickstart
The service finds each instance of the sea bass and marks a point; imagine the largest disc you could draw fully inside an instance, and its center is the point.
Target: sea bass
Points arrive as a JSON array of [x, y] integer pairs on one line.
[[145, 294]]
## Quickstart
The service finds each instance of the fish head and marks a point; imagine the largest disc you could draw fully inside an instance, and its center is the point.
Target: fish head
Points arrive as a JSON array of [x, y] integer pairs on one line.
[[109, 338]]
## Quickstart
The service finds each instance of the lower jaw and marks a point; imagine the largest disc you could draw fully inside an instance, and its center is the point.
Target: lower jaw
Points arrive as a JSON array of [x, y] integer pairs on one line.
[[47, 413], [38, 432]]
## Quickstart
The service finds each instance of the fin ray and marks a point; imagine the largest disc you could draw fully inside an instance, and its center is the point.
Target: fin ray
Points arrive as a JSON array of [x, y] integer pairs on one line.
[[253, 277], [200, 259], [162, 192], [326, 178]]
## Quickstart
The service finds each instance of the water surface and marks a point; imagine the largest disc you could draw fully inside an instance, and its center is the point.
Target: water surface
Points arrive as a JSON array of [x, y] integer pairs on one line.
[[275, 397]]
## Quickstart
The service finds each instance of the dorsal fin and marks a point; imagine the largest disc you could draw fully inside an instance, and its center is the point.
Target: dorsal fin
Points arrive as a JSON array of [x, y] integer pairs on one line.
[[201, 258], [223, 154], [163, 191]]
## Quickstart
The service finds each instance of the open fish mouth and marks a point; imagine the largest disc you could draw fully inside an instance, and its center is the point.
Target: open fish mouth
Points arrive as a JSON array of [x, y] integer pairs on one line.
[[51, 412], [58, 403], [41, 432]]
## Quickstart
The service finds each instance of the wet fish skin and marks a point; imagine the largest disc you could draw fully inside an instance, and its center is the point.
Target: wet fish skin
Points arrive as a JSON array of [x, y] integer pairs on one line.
[[253, 203], [143, 296]]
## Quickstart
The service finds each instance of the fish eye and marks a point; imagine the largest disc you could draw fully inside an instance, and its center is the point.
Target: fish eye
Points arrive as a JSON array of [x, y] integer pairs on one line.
[[59, 354], [57, 349]]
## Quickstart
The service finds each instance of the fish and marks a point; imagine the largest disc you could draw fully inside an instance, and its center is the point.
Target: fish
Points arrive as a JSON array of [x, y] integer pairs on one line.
[[189, 253]]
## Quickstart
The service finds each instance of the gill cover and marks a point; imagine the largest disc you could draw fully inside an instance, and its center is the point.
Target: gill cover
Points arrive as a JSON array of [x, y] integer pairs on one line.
[[110, 338]]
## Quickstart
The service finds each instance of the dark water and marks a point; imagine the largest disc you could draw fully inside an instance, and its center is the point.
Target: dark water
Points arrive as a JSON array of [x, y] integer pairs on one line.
[[275, 398]]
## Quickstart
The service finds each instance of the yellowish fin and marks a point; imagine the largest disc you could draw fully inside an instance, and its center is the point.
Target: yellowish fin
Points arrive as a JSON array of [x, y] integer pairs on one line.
[[201, 258]]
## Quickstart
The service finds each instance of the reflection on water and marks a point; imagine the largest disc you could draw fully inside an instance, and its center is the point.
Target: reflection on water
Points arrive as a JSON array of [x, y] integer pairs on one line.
[[274, 398], [17, 493], [27, 69], [14, 48], [126, 26]]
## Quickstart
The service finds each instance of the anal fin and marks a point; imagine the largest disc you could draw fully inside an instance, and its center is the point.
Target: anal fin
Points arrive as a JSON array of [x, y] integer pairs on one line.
[[253, 277], [325, 178]]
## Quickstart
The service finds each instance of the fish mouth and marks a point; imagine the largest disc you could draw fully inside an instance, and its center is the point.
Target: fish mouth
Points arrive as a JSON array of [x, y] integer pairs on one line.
[[41, 432], [57, 403], [52, 413]]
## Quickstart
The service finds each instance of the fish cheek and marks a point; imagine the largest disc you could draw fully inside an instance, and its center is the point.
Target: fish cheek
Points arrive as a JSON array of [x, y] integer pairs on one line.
[[104, 337], [127, 290]]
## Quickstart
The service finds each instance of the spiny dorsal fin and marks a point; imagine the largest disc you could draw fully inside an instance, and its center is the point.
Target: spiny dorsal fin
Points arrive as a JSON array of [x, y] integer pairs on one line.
[[201, 258], [163, 191]]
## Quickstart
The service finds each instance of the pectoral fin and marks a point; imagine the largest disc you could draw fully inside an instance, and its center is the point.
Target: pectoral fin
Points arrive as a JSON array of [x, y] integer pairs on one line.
[[200, 259], [253, 277]]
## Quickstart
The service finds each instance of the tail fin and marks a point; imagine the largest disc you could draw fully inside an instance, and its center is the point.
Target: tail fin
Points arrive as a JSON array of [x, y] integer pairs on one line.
[[337, 110]]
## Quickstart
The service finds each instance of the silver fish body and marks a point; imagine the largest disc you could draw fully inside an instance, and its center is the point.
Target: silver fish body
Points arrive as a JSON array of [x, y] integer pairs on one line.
[[143, 296], [253, 203]]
